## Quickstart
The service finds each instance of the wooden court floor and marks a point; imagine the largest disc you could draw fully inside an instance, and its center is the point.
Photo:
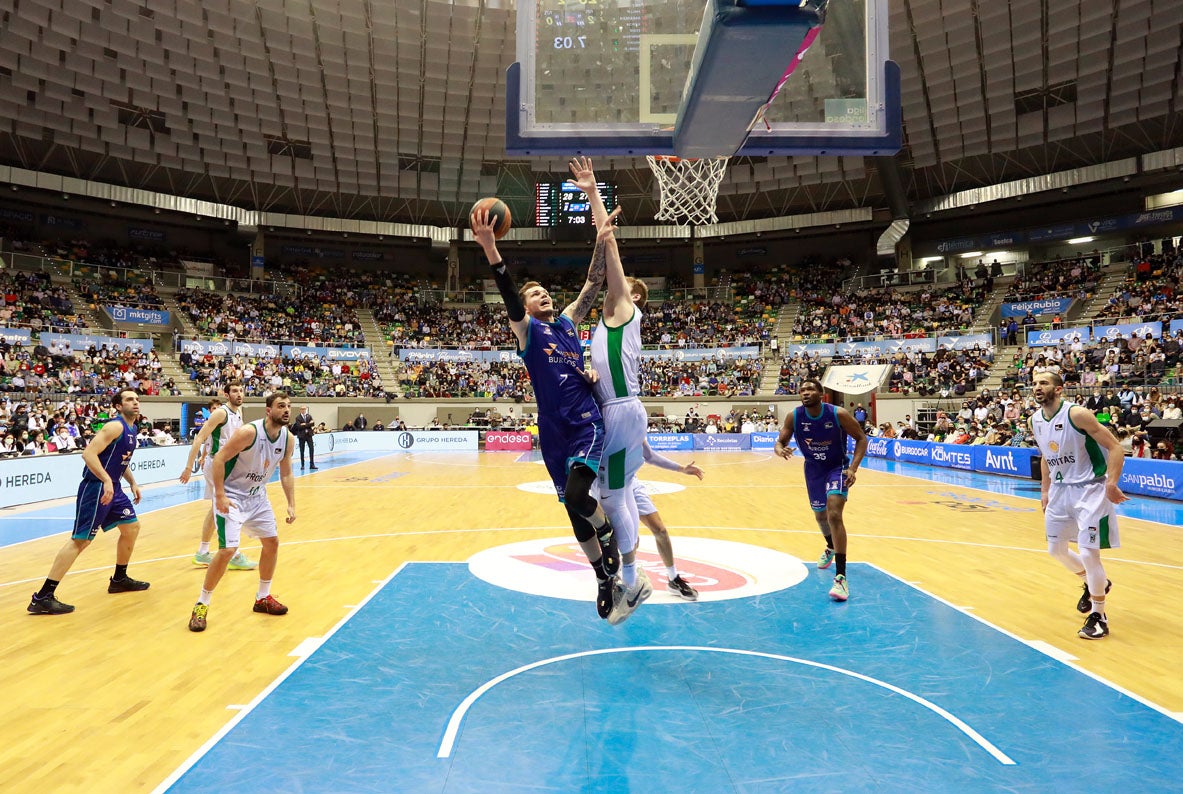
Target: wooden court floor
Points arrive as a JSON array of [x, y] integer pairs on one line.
[[119, 694]]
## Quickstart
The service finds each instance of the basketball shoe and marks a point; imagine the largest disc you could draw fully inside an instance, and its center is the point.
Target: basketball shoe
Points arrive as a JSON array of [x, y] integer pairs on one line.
[[840, 591], [126, 585], [681, 588], [1085, 604], [197, 619], [48, 605], [241, 562], [626, 599], [826, 560], [270, 606], [1095, 627]]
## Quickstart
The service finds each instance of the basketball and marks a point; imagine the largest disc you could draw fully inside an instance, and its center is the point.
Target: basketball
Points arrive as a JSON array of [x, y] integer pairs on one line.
[[498, 214]]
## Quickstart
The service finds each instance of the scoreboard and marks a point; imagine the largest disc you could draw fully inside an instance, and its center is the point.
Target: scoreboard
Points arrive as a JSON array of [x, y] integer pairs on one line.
[[561, 203]]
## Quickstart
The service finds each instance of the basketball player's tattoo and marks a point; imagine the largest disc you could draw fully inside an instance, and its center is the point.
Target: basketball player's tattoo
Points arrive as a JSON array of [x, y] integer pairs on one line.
[[596, 272]]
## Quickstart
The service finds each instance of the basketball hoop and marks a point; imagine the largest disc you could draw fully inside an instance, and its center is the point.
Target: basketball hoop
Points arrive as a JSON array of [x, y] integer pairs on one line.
[[689, 187]]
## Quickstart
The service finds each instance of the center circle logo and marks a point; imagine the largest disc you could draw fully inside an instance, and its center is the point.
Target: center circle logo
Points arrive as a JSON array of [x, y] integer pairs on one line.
[[719, 569], [406, 440]]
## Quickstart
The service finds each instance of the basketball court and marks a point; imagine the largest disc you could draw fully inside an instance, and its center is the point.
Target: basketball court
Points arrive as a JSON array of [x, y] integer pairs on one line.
[[442, 638]]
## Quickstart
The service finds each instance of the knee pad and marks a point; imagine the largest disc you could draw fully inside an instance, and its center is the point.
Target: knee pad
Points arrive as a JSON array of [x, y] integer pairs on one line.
[[579, 483], [584, 531]]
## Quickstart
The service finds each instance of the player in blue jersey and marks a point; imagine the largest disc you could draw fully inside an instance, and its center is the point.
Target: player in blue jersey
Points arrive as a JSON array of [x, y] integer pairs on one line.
[[821, 431], [570, 426], [102, 504]]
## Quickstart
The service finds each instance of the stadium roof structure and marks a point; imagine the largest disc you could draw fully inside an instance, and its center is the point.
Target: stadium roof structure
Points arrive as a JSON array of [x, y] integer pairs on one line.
[[395, 111]]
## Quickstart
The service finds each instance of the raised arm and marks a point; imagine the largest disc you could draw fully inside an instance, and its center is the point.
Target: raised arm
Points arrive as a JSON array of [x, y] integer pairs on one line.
[[579, 307], [482, 231]]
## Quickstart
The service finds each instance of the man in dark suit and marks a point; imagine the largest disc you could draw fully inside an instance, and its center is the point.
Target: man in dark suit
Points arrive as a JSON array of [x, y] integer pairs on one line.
[[304, 428], [360, 423]]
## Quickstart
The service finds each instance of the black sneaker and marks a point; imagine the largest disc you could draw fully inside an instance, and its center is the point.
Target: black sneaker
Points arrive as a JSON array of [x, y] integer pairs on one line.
[[1085, 604], [1095, 627], [126, 585], [604, 596], [48, 605], [681, 588]]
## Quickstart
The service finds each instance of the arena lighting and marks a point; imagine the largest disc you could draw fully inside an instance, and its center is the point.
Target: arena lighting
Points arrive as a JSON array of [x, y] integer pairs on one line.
[[972, 254], [1079, 240]]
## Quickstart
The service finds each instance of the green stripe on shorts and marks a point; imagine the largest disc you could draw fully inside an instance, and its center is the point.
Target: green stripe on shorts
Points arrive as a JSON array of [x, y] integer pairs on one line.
[[616, 469]]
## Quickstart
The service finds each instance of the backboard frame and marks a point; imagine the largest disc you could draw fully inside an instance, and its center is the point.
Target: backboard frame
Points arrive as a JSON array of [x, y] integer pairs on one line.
[[880, 134]]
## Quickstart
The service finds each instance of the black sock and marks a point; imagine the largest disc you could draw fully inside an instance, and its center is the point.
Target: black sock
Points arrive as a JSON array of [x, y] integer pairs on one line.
[[120, 572], [48, 589], [598, 567], [840, 562], [829, 541]]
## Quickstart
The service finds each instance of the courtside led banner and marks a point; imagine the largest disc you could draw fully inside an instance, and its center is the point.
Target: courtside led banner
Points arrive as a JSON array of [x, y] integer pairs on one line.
[[499, 440]]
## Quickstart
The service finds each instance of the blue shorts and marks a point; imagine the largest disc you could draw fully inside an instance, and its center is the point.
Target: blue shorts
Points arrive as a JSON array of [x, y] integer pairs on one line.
[[564, 445], [90, 516], [821, 483]]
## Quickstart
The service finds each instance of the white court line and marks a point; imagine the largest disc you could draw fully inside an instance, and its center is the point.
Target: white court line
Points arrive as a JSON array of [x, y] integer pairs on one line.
[[1052, 651], [307, 647], [23, 510], [245, 710], [453, 728], [567, 528], [1036, 646]]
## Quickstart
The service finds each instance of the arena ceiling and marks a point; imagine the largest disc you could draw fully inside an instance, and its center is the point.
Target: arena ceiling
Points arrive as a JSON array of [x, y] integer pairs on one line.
[[395, 111]]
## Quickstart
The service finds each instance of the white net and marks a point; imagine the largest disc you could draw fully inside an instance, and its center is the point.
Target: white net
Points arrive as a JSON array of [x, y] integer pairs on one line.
[[689, 187]]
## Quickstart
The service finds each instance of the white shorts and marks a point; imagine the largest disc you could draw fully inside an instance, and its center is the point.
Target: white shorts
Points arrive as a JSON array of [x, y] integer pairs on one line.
[[1083, 514], [624, 453], [641, 495], [625, 424], [252, 513]]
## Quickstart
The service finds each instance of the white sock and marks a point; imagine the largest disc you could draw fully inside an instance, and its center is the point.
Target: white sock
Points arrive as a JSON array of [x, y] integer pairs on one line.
[[264, 589], [1099, 606], [672, 572], [628, 572], [203, 548], [206, 597]]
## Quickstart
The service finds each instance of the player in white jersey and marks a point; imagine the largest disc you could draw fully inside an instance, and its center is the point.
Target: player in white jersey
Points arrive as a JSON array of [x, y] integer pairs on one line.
[[222, 423], [1081, 472], [241, 468], [616, 360]]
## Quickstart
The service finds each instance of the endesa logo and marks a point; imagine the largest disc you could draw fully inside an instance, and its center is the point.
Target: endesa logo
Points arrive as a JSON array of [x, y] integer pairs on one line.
[[508, 440]]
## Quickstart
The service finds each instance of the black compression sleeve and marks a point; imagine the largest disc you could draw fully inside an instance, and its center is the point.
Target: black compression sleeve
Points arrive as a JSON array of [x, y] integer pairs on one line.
[[509, 292]]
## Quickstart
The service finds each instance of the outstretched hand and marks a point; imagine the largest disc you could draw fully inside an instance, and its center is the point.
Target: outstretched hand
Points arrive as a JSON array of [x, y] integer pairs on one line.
[[482, 229], [692, 470], [584, 176]]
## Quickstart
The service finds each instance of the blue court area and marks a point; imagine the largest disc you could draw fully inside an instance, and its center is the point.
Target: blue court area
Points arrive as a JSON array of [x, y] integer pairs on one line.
[[442, 682], [20, 524]]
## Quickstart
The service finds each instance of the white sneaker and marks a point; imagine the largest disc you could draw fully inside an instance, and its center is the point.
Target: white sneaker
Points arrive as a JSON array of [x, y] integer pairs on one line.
[[626, 600]]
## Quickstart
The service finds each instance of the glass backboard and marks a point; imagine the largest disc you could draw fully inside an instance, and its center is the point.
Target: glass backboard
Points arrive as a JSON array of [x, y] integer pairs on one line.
[[607, 77]]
